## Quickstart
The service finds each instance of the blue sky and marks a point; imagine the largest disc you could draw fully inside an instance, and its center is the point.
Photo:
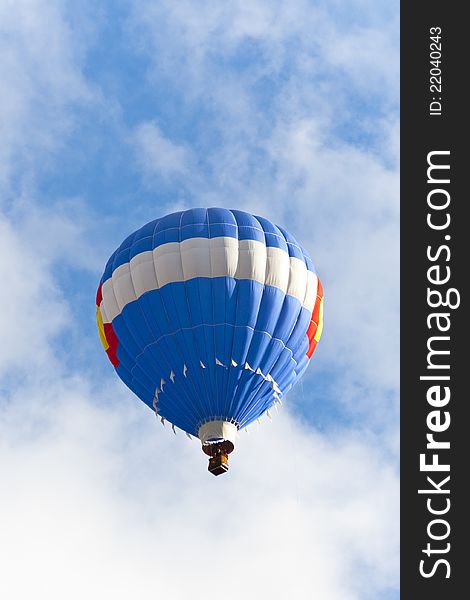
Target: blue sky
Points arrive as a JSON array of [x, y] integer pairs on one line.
[[115, 115]]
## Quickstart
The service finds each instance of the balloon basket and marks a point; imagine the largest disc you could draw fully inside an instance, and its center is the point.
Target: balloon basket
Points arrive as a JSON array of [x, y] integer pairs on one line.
[[218, 464], [218, 452]]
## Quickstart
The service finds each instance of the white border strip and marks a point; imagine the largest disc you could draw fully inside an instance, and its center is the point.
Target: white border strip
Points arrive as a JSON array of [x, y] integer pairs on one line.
[[204, 257]]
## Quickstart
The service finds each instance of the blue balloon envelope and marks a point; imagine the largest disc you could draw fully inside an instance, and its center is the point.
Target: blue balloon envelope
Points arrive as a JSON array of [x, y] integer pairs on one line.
[[209, 316]]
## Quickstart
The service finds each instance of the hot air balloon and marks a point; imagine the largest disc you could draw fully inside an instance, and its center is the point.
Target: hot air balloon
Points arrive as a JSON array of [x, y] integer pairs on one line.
[[210, 316]]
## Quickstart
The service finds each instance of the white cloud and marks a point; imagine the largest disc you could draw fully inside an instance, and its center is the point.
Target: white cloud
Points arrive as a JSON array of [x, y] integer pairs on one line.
[[32, 308], [98, 494], [96, 500], [40, 63], [345, 48], [157, 155]]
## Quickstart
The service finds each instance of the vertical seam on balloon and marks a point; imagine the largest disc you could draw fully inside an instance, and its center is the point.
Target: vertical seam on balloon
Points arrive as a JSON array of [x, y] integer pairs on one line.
[[232, 381], [216, 387], [200, 396], [194, 408], [257, 409], [130, 385], [294, 374], [163, 358], [290, 271], [229, 358], [260, 396], [257, 399], [121, 344], [204, 374], [123, 316], [197, 404], [173, 398], [245, 390], [256, 388], [192, 392]]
